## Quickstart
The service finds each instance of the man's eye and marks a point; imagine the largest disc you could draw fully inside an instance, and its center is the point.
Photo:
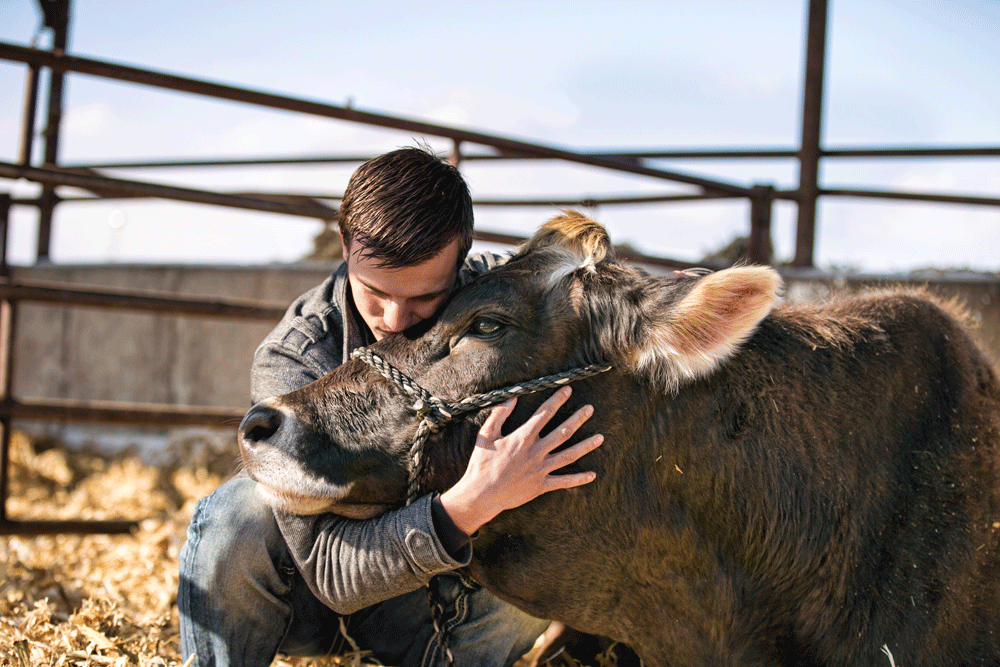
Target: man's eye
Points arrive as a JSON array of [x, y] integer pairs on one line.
[[485, 327]]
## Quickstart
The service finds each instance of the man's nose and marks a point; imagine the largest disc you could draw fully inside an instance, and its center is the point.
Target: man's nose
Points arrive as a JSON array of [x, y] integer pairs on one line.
[[396, 316]]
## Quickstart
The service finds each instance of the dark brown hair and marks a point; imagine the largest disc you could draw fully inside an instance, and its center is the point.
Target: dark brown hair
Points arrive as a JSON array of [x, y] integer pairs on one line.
[[405, 207]]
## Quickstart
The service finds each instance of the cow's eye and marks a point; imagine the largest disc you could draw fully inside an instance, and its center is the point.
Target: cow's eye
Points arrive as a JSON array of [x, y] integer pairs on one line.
[[485, 327]]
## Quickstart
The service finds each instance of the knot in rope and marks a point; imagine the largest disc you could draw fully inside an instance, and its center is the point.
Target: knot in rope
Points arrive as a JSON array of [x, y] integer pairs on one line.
[[434, 413]]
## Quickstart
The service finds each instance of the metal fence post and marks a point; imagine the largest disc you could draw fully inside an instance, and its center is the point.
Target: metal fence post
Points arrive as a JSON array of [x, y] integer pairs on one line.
[[812, 117], [30, 108], [7, 317], [57, 18], [761, 204]]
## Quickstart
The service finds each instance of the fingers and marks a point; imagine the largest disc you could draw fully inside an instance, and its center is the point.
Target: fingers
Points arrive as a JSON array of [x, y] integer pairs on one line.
[[577, 451], [565, 431], [498, 415], [568, 456], [528, 435], [553, 482], [547, 410]]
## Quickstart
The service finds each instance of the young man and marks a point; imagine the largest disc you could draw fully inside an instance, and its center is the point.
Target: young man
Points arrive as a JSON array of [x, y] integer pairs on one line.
[[255, 582]]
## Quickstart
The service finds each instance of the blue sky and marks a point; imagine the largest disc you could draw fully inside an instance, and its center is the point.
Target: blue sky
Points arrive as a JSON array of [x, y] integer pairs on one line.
[[582, 75]]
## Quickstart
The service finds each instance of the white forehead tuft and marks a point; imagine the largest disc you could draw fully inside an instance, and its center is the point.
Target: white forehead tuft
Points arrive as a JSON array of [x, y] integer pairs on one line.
[[567, 262]]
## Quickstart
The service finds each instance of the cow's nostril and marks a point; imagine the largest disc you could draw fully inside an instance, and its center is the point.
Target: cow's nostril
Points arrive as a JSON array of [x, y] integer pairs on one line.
[[260, 424]]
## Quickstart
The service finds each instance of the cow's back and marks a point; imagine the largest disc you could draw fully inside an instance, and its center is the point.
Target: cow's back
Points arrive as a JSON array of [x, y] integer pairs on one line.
[[877, 463], [831, 489], [850, 475]]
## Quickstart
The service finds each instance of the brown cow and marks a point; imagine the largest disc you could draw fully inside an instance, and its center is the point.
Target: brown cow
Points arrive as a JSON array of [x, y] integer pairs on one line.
[[780, 485]]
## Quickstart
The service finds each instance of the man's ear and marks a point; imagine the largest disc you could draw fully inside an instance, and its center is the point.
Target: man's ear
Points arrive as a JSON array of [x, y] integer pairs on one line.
[[344, 245]]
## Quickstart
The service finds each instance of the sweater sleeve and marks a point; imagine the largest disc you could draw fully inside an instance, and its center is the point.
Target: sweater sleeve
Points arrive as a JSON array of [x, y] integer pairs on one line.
[[350, 564]]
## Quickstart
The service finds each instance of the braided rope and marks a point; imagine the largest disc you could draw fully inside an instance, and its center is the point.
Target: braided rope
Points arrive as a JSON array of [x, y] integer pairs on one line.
[[440, 629], [435, 413]]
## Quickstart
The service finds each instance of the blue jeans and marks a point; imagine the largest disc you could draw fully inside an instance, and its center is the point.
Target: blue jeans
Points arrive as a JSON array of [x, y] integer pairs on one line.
[[242, 601]]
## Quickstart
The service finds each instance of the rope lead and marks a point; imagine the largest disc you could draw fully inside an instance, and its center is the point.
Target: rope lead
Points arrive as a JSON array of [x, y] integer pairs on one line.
[[435, 413]]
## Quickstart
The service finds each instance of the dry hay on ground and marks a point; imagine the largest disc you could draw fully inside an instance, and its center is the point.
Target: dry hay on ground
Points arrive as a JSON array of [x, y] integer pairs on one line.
[[95, 599], [104, 599]]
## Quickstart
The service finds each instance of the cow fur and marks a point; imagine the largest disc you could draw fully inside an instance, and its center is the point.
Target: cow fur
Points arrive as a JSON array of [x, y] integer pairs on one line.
[[780, 484]]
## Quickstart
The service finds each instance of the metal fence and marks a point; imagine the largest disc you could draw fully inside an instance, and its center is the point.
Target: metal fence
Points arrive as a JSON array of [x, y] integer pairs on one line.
[[51, 175]]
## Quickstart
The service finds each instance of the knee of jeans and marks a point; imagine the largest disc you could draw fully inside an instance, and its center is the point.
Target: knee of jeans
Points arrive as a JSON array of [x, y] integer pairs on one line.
[[232, 529]]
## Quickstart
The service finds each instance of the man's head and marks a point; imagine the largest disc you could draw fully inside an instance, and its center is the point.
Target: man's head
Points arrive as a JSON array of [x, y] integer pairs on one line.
[[406, 226]]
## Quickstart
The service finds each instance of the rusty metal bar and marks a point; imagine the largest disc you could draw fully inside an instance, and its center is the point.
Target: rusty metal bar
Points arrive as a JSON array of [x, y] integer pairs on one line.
[[914, 152], [790, 195], [812, 119], [455, 157], [600, 201], [56, 17], [783, 153], [711, 154], [57, 176], [761, 205], [548, 202], [7, 323], [632, 156], [622, 252], [30, 109], [109, 412], [5, 202], [235, 162], [112, 298], [67, 63], [912, 196]]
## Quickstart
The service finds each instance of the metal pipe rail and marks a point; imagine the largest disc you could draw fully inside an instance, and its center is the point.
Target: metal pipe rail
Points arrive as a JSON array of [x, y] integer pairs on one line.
[[62, 62], [624, 253], [689, 154], [108, 412], [940, 198], [128, 188], [118, 299]]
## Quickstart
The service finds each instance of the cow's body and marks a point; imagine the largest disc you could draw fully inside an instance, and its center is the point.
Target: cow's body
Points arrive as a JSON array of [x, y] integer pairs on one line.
[[802, 485]]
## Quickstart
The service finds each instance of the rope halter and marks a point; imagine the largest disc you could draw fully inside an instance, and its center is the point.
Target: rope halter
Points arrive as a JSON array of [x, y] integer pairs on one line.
[[435, 413]]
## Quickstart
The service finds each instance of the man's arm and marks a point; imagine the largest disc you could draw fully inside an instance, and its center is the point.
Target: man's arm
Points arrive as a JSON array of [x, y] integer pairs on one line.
[[352, 564]]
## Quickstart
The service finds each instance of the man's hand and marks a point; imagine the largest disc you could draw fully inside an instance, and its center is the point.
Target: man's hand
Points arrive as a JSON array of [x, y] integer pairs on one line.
[[507, 471]]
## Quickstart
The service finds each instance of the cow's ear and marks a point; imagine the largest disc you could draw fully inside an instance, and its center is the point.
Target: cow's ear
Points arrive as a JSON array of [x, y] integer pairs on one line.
[[575, 232], [681, 339]]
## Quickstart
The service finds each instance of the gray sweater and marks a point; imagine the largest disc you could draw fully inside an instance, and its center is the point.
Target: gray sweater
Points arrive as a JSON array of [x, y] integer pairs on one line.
[[351, 564]]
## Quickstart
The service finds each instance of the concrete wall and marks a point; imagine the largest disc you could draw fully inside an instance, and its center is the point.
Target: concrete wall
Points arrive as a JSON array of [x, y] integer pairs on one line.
[[94, 354], [89, 353]]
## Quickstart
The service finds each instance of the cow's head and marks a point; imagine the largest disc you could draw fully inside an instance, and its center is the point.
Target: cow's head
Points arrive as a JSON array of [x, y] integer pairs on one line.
[[341, 444]]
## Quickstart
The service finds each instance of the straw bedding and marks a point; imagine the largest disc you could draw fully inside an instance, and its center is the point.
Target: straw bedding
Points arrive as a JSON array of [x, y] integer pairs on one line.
[[96, 599], [109, 599]]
